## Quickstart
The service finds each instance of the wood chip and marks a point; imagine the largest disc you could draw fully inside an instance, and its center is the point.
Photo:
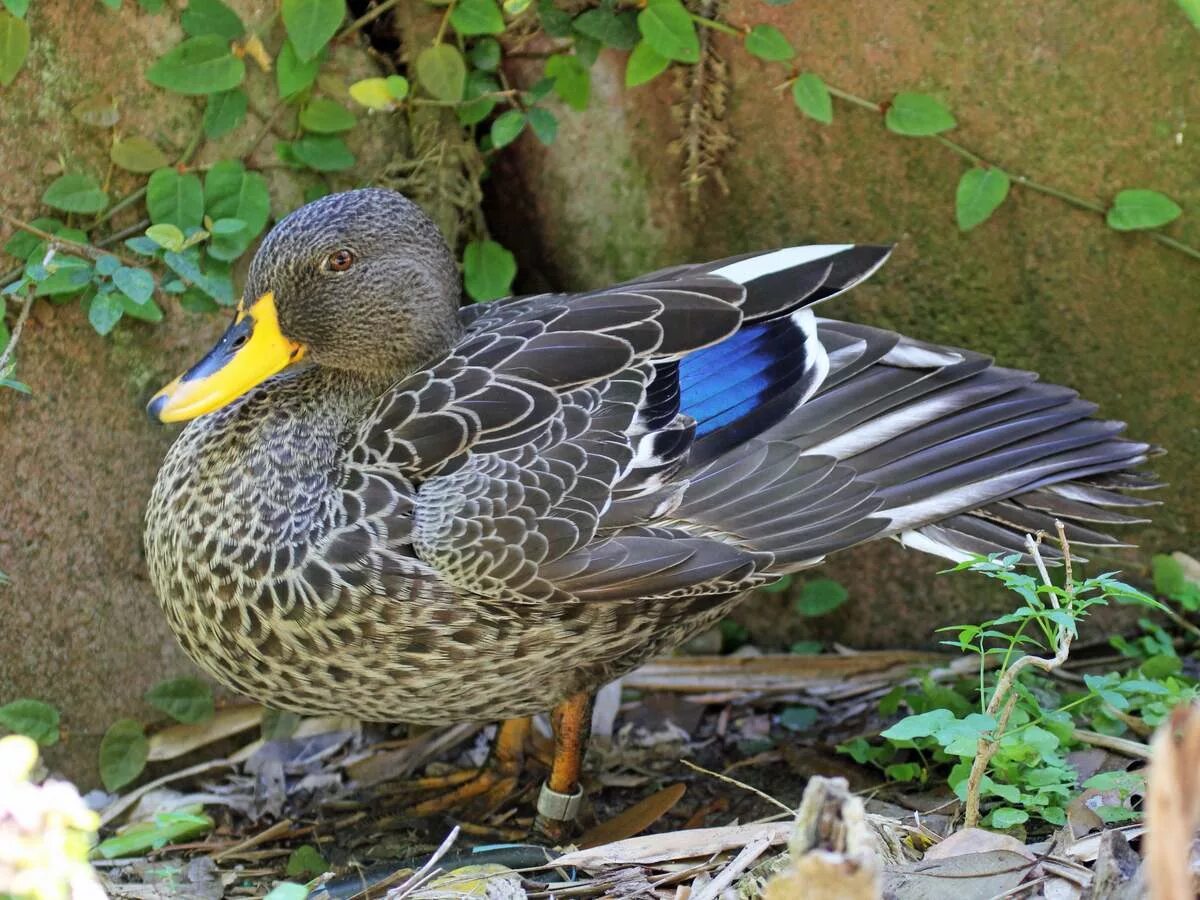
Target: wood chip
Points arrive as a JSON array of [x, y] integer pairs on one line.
[[677, 845]]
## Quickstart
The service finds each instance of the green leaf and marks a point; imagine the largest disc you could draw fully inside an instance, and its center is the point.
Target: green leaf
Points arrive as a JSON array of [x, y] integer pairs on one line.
[[572, 81], [187, 700], [136, 154], [167, 236], [32, 718], [397, 86], [812, 97], [107, 265], [1191, 9], [70, 276], [442, 72], [278, 724], [323, 152], [820, 596], [230, 192], [224, 112], [478, 107], [612, 29], [488, 270], [215, 281], [151, 6], [373, 93], [544, 124], [75, 192], [146, 312], [1137, 209], [1007, 817], [326, 116], [472, 17], [645, 64], [285, 890], [175, 199], [14, 47], [485, 54], [292, 74], [767, 42], [211, 17], [667, 27], [918, 115], [311, 23], [980, 192], [924, 725], [805, 648], [555, 22], [506, 128], [1169, 577], [306, 860], [136, 284], [104, 312], [17, 7], [778, 586], [798, 718], [135, 840], [24, 245], [200, 65]]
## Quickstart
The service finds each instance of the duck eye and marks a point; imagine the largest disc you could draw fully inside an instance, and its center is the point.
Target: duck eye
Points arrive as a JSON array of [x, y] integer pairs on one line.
[[339, 260]]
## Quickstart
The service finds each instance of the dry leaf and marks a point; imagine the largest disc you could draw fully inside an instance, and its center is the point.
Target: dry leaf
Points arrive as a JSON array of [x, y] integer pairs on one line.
[[180, 739], [634, 820], [976, 840], [970, 875], [673, 846], [1173, 806]]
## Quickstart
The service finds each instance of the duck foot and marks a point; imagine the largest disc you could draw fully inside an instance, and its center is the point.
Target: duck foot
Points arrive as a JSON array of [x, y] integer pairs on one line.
[[488, 786], [562, 795]]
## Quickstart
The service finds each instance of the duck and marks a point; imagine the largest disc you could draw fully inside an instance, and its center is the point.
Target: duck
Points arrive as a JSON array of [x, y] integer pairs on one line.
[[390, 505]]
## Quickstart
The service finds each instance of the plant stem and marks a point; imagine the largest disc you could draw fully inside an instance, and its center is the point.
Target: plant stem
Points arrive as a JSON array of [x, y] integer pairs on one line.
[[722, 27], [16, 331], [83, 249], [441, 32], [367, 18], [1025, 181], [125, 202]]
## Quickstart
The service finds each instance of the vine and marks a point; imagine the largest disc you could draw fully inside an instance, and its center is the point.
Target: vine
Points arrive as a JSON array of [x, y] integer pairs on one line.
[[199, 220]]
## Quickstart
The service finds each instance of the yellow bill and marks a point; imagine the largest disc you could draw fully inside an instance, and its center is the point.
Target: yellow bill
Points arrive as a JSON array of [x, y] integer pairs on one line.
[[251, 351]]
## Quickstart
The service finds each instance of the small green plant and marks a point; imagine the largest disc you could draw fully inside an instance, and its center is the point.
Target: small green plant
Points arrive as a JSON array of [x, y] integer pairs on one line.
[[1002, 738]]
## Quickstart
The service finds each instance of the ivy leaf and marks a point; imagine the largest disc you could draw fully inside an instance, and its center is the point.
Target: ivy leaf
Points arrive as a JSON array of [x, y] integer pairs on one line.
[[104, 312], [980, 192], [819, 597], [485, 54], [323, 152], [292, 74], [572, 81], [618, 30], [442, 71], [136, 284], [211, 17], [32, 718], [372, 93], [230, 192], [17, 7], [554, 21], [75, 192], [473, 17], [478, 106], [14, 47], [311, 23], [136, 154], [667, 27], [186, 700], [544, 124], [918, 115], [506, 128], [812, 97], [167, 236], [305, 860], [200, 65], [645, 64], [767, 42], [488, 270], [215, 281], [106, 265], [149, 311], [224, 112], [326, 116], [175, 199], [1137, 209], [123, 752]]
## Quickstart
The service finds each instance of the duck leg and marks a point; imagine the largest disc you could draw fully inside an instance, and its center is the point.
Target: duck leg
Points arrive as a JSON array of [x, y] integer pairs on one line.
[[561, 794], [497, 778]]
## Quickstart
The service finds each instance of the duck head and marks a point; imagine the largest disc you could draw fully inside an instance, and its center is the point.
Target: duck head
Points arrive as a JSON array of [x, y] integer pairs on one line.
[[361, 281]]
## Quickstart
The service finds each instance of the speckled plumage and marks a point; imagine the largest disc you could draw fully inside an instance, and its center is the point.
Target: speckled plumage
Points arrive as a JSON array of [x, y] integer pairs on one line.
[[447, 516]]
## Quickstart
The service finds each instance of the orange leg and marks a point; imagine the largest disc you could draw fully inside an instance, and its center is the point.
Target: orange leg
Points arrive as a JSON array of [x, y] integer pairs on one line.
[[558, 803], [497, 779]]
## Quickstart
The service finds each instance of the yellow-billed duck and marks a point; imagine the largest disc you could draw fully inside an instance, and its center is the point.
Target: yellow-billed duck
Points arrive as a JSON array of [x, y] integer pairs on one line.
[[393, 507]]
